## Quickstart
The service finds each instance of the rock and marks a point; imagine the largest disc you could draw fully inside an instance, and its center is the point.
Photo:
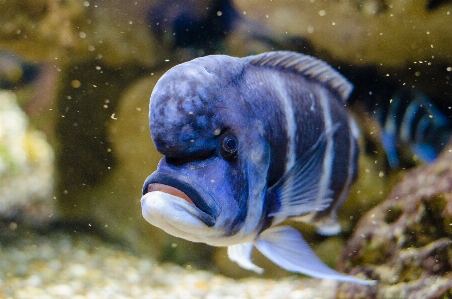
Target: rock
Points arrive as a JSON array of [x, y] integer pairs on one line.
[[406, 241], [383, 32], [26, 167], [69, 31]]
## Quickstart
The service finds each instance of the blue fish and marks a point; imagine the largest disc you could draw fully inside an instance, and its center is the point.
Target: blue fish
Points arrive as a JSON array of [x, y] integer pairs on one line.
[[204, 26], [248, 143], [413, 122], [189, 23]]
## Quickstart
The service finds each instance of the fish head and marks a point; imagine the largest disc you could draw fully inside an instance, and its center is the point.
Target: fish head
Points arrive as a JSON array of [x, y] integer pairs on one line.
[[215, 160]]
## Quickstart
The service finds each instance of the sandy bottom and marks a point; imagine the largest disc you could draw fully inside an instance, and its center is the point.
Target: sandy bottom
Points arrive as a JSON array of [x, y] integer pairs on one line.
[[81, 265]]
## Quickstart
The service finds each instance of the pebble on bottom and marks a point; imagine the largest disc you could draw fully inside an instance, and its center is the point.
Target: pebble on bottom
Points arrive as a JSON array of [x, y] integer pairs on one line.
[[82, 266]]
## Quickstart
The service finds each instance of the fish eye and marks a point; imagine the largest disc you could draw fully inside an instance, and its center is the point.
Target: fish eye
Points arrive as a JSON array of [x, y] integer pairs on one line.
[[229, 146]]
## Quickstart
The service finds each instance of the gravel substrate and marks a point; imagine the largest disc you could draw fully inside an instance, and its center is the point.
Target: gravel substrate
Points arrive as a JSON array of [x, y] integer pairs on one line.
[[82, 266]]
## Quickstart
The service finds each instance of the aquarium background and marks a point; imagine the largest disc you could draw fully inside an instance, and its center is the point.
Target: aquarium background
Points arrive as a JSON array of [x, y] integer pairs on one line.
[[75, 147]]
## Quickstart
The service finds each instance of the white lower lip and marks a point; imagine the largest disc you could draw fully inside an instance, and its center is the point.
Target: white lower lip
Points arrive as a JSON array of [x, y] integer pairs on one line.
[[174, 215]]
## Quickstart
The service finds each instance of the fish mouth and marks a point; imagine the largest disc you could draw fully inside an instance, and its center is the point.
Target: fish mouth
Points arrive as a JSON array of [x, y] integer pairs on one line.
[[168, 189], [169, 184]]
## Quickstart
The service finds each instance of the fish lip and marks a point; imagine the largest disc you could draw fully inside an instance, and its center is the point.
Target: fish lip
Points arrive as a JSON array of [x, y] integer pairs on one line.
[[204, 203], [170, 190]]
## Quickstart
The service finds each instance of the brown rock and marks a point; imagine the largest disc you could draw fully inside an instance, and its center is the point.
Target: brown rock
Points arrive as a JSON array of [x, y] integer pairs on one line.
[[384, 32], [406, 242], [69, 31]]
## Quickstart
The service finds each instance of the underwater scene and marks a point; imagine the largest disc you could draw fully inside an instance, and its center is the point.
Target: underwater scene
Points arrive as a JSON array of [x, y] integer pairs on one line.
[[226, 149]]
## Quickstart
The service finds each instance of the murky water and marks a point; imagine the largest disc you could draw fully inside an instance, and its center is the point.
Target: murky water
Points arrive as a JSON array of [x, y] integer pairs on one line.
[[75, 146]]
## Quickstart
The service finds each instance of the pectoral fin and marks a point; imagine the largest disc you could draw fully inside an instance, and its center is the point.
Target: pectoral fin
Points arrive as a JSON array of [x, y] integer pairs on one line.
[[285, 247], [241, 254], [299, 190]]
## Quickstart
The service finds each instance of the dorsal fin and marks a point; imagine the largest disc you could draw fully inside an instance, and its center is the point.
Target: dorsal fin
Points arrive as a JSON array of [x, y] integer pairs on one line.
[[307, 66]]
